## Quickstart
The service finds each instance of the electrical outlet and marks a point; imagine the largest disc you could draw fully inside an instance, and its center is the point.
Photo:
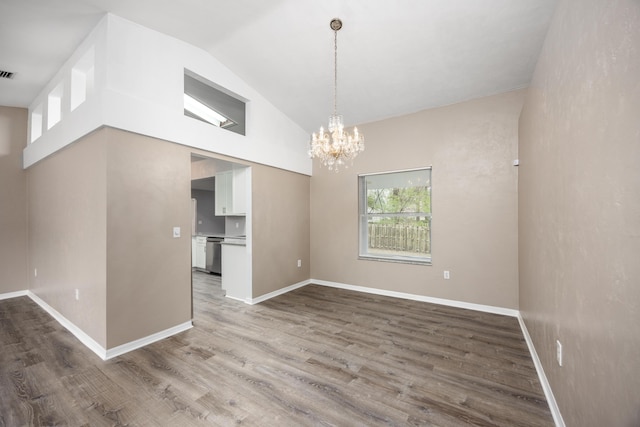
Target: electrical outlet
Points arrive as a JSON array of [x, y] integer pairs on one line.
[[35, 272], [447, 275], [176, 232], [299, 263], [559, 352], [77, 294]]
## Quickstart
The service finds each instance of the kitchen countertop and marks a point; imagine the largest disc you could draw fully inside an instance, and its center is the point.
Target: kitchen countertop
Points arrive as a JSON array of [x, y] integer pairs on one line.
[[221, 236]]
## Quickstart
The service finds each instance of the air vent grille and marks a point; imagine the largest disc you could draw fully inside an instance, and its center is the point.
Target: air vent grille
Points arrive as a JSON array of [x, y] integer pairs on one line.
[[6, 74]]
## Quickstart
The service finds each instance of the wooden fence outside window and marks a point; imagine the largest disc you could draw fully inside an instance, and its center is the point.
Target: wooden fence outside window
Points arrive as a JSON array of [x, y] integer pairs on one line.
[[400, 238]]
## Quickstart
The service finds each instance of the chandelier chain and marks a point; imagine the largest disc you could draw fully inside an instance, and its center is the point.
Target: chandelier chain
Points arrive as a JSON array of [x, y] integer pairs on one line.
[[335, 72]]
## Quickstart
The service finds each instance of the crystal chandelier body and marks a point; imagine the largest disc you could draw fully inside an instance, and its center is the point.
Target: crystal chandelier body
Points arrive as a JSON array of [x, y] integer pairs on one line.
[[336, 147]]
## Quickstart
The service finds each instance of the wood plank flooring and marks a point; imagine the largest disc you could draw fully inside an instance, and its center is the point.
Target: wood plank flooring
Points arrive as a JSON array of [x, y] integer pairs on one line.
[[315, 356]]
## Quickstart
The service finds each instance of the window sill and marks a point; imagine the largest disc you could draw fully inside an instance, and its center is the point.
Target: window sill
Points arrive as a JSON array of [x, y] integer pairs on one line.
[[396, 259]]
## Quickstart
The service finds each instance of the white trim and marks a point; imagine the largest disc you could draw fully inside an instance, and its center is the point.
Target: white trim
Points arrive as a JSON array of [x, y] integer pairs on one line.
[[89, 342], [422, 298], [133, 345], [15, 294], [77, 332], [244, 300], [546, 387], [278, 292]]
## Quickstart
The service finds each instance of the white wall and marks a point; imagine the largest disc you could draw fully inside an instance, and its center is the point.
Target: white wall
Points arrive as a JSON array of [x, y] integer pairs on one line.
[[139, 88], [85, 118]]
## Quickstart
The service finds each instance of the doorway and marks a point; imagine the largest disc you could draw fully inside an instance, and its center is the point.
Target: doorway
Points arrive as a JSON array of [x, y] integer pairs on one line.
[[221, 209]]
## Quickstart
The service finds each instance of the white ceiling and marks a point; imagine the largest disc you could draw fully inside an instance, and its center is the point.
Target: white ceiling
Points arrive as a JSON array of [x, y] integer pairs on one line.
[[394, 56]]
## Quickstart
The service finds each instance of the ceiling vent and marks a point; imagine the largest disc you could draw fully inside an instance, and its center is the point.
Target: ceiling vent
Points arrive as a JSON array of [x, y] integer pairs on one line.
[[6, 74]]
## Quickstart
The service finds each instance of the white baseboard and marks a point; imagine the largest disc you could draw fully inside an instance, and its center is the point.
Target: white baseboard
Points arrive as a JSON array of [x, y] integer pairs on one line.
[[422, 298], [15, 294], [273, 294], [70, 326], [133, 345], [244, 300], [93, 345], [546, 387]]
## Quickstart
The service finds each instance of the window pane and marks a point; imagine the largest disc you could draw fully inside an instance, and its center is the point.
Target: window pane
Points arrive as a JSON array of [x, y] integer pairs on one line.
[[395, 216]]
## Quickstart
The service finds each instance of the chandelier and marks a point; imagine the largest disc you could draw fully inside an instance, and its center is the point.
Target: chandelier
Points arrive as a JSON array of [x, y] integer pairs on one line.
[[336, 147]]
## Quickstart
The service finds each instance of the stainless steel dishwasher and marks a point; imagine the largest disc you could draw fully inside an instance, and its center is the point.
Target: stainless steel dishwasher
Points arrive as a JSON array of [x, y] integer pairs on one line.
[[213, 262]]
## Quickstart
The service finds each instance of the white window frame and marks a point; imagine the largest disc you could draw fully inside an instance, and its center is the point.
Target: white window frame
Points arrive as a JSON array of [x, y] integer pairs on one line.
[[364, 216]]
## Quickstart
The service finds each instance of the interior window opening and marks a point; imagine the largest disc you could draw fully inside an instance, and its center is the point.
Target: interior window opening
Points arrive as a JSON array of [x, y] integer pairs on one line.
[[208, 102]]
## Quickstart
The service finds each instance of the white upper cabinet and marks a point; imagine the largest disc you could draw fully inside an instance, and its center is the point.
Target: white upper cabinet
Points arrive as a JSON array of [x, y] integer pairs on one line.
[[231, 193]]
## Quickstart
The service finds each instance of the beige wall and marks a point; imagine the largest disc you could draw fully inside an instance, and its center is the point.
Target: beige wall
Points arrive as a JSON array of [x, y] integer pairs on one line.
[[102, 216], [280, 227], [67, 233], [102, 213], [13, 200], [148, 271], [580, 211], [471, 147]]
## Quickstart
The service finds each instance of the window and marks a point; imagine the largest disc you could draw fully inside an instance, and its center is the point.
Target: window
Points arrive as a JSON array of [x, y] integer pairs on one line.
[[395, 216], [82, 75], [54, 106], [36, 123], [205, 101]]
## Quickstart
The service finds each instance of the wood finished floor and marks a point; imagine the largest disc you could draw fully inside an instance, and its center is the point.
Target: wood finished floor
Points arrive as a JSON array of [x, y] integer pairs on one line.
[[315, 356]]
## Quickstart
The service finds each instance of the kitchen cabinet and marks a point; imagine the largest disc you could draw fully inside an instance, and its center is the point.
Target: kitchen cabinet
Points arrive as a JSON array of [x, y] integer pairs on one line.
[[236, 280], [223, 193], [201, 252], [193, 252], [231, 193]]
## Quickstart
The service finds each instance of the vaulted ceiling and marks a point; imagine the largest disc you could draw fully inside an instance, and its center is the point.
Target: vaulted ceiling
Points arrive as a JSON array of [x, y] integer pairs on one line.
[[394, 56]]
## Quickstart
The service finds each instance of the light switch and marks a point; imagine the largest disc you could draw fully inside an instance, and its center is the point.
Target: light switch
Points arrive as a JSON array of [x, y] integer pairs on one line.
[[176, 231]]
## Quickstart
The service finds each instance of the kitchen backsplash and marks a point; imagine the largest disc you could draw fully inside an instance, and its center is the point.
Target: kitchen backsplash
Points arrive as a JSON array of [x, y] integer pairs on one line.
[[235, 225]]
